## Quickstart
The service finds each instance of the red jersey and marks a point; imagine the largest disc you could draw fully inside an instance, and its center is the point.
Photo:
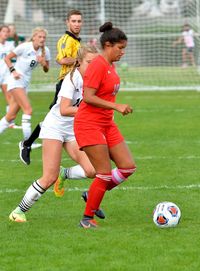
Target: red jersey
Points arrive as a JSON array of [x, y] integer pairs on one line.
[[102, 76]]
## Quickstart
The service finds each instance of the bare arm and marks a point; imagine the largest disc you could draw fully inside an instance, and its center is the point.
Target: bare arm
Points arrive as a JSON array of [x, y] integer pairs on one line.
[[91, 98], [66, 61], [7, 59], [66, 107], [44, 63]]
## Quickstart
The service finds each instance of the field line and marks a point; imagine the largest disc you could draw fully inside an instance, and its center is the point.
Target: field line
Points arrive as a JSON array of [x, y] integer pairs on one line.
[[189, 157], [126, 188]]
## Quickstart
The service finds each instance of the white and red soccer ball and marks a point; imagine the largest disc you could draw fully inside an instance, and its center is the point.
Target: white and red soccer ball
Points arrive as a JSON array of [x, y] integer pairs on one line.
[[166, 214]]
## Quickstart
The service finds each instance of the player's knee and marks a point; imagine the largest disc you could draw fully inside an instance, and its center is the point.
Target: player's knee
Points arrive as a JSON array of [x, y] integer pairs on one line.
[[90, 173]]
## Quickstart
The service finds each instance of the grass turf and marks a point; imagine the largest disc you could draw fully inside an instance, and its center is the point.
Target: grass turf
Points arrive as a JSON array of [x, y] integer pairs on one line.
[[163, 134]]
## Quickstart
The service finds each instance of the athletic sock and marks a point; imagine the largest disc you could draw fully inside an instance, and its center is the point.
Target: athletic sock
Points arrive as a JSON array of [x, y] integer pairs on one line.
[[75, 173], [33, 193], [4, 124], [120, 175], [96, 193], [34, 135], [26, 125]]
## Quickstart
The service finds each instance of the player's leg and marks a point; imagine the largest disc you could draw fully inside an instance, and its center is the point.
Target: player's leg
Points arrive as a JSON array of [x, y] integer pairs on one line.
[[10, 115], [22, 100], [25, 145], [51, 155], [120, 154], [83, 170], [81, 159], [125, 165], [184, 57], [7, 95], [192, 59], [100, 159]]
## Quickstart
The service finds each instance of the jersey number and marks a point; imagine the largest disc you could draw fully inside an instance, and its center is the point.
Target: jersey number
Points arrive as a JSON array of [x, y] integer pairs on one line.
[[33, 63]]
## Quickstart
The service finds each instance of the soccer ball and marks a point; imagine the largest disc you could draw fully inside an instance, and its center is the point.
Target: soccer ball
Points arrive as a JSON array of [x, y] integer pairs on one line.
[[166, 214]]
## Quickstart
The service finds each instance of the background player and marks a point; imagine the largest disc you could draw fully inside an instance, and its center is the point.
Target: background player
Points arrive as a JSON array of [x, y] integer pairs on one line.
[[14, 37], [27, 55], [5, 49], [187, 38], [67, 47]]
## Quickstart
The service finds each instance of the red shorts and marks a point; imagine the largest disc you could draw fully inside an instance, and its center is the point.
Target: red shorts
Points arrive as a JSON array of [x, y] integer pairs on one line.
[[97, 135]]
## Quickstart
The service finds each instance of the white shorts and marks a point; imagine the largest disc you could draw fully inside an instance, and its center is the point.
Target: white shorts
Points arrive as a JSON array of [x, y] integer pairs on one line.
[[17, 83], [53, 128], [4, 75]]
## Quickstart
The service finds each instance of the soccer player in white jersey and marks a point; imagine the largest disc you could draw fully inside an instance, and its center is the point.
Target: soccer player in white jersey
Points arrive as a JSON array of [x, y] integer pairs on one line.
[[28, 55], [57, 132], [5, 48], [187, 38]]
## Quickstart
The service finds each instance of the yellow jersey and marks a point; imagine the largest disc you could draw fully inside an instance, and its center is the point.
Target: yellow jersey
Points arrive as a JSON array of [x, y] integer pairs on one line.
[[67, 46]]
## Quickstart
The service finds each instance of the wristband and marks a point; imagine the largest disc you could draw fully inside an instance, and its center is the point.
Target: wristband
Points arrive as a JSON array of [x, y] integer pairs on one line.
[[12, 69]]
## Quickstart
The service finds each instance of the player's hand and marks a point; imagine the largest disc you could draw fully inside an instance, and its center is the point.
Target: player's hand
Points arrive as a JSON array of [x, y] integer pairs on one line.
[[125, 109], [41, 60]]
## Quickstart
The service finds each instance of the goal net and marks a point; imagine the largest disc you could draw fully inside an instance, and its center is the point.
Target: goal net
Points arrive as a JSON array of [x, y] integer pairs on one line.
[[153, 60]]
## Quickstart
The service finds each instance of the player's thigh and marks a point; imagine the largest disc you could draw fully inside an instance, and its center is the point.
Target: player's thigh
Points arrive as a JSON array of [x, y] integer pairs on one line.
[[99, 157], [22, 99], [6, 93], [79, 157], [122, 155], [51, 156]]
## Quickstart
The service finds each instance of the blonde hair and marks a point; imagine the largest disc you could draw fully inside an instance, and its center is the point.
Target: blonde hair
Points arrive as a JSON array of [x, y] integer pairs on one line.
[[82, 51], [35, 31]]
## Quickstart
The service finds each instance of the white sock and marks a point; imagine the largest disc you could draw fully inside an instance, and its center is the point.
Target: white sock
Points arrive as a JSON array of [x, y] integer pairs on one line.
[[4, 124], [75, 172], [26, 125], [33, 193]]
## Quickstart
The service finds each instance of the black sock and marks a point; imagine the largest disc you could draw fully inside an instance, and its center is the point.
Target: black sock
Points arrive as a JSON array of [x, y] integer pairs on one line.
[[28, 142]]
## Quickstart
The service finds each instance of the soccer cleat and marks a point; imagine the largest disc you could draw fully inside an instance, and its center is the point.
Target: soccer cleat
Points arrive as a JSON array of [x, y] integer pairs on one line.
[[17, 216], [59, 189], [24, 153], [87, 223], [99, 213]]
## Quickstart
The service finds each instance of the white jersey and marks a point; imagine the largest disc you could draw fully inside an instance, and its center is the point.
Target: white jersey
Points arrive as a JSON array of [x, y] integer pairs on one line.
[[188, 37], [27, 58], [5, 49], [25, 63], [56, 126]]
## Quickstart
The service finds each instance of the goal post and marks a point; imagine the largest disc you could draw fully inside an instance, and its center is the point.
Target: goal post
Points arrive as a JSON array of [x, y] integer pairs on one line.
[[151, 61]]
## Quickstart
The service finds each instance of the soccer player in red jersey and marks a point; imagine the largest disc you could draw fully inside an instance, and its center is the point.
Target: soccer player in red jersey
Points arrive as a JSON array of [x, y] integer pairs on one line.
[[95, 130]]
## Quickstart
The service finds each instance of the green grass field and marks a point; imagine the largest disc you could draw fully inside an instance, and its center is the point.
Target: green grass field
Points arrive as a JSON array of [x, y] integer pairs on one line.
[[137, 76], [164, 136]]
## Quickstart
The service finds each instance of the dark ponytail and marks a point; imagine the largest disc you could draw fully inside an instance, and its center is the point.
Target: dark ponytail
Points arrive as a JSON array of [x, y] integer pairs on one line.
[[111, 34]]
